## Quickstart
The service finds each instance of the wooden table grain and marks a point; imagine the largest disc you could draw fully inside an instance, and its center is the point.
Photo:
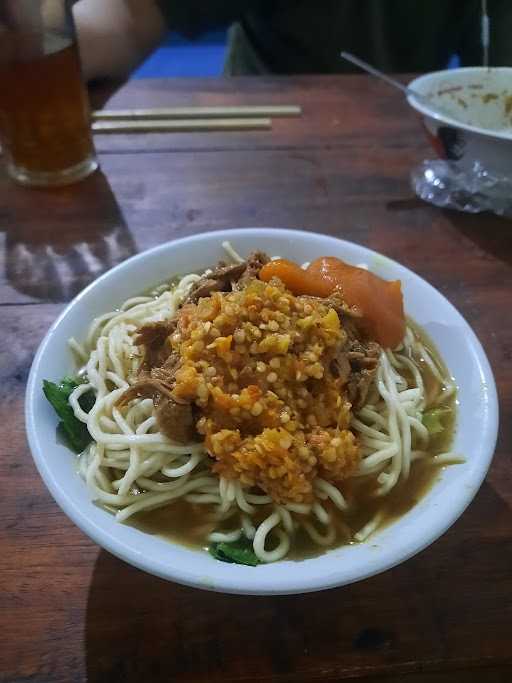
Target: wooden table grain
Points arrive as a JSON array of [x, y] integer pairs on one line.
[[70, 612]]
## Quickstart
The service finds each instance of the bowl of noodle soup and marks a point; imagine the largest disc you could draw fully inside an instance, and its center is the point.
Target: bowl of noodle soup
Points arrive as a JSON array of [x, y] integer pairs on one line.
[[156, 501]]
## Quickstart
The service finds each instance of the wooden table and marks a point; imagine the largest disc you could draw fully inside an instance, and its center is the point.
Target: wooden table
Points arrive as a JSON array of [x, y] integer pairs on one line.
[[71, 612]]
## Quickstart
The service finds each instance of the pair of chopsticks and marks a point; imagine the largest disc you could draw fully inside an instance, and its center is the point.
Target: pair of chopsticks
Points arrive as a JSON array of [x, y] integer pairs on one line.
[[189, 119]]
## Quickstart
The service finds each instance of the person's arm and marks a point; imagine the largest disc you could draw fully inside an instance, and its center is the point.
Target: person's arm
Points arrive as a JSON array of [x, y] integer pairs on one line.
[[116, 35]]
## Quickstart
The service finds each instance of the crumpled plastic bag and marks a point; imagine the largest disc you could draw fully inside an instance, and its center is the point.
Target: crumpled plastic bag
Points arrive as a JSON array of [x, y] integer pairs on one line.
[[444, 184]]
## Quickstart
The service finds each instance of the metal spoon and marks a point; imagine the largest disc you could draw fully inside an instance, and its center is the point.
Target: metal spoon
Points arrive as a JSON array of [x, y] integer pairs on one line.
[[410, 92], [486, 34]]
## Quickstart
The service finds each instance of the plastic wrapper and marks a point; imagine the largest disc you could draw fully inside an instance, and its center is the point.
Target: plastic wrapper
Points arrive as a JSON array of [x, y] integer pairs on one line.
[[444, 184]]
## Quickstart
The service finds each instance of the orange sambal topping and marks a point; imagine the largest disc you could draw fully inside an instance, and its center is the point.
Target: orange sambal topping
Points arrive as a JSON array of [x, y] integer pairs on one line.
[[258, 365]]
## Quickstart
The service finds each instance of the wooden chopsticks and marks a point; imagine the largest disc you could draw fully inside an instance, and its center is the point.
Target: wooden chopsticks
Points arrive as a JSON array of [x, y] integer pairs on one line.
[[179, 125], [197, 112], [189, 119]]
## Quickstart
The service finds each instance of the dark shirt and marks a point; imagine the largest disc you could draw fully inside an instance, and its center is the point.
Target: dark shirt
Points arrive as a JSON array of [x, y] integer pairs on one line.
[[306, 36]]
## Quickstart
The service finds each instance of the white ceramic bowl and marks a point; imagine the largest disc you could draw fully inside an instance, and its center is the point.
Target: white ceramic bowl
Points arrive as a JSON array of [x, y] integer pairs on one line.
[[478, 124], [475, 434]]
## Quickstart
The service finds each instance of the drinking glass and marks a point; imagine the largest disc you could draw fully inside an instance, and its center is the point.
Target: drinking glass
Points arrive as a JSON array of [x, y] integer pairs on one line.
[[45, 127]]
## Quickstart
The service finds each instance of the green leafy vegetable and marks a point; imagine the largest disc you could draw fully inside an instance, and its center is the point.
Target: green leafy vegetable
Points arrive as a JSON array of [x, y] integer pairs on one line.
[[238, 552], [87, 401], [433, 419], [75, 433]]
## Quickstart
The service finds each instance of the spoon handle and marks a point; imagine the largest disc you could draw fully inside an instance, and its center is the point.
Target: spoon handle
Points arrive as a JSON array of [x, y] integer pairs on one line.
[[425, 100], [377, 72]]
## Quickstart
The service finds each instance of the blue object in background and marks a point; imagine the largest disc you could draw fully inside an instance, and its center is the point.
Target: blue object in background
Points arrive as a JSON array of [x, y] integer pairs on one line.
[[180, 57], [454, 62]]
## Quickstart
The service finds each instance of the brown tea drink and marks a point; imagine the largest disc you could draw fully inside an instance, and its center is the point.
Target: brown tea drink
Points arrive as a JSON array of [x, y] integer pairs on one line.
[[44, 115]]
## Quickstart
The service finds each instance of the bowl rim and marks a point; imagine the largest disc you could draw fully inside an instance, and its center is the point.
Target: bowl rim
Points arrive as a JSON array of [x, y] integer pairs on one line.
[[426, 111], [255, 582]]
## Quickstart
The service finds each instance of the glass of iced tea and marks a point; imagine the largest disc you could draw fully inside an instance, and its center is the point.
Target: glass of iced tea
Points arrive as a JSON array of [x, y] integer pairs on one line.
[[45, 128]]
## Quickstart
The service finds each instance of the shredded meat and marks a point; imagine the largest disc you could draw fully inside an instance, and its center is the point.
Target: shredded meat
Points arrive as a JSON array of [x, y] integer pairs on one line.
[[343, 310], [225, 278], [254, 263], [340, 367], [356, 363], [176, 420], [219, 280], [152, 337], [145, 387], [166, 373], [159, 381], [363, 357]]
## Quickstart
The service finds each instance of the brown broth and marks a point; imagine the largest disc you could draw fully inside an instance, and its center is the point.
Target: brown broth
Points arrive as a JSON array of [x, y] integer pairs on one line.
[[188, 523], [185, 523], [181, 522], [404, 496]]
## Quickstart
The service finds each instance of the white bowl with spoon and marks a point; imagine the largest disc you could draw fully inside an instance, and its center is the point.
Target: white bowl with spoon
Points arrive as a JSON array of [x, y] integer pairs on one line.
[[467, 115]]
